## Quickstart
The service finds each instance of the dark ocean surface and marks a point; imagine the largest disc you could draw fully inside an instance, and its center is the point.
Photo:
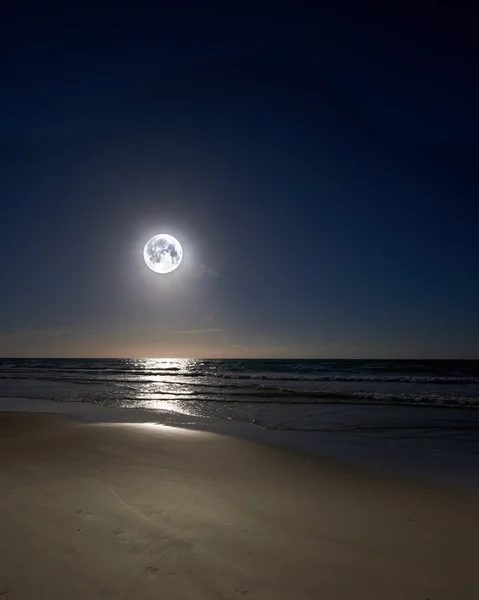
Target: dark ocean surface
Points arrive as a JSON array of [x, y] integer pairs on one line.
[[427, 407]]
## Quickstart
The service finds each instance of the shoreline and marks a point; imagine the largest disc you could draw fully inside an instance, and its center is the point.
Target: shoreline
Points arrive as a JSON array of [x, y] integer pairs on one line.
[[413, 460], [137, 510]]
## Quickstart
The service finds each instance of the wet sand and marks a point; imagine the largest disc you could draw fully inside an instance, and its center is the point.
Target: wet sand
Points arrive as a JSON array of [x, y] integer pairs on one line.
[[145, 511]]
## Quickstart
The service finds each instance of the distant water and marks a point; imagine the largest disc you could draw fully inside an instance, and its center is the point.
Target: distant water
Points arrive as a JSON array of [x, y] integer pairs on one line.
[[431, 402]]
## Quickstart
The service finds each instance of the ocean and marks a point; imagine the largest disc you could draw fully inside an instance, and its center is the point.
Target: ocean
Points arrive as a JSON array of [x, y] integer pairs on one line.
[[413, 413]]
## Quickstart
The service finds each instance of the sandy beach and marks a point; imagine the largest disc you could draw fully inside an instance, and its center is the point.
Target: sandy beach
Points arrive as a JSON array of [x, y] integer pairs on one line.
[[145, 511]]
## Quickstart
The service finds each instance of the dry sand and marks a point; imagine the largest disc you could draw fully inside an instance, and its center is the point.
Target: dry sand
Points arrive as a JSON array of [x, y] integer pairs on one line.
[[144, 511]]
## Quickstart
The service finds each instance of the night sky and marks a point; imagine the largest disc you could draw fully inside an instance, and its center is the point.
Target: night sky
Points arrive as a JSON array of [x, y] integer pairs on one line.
[[319, 167]]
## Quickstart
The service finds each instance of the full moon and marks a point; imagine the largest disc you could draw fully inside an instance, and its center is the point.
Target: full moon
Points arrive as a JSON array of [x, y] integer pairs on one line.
[[163, 253]]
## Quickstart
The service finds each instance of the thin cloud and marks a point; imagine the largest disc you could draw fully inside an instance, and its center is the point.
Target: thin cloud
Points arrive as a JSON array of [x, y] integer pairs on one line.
[[198, 331]]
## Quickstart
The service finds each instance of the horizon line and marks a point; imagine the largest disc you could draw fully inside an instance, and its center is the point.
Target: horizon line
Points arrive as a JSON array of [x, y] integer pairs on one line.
[[217, 358]]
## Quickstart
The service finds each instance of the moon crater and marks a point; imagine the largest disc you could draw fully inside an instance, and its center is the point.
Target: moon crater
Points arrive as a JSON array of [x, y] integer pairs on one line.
[[163, 253]]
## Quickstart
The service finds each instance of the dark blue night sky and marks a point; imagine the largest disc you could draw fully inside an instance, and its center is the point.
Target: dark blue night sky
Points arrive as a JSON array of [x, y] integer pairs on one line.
[[320, 168]]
